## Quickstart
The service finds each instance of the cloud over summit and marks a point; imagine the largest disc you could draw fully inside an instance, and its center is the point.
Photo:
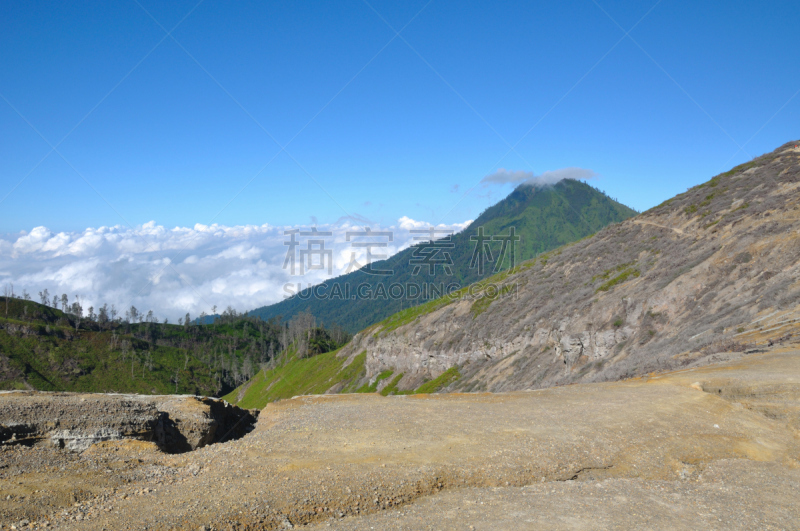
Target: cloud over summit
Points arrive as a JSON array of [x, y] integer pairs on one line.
[[503, 176]]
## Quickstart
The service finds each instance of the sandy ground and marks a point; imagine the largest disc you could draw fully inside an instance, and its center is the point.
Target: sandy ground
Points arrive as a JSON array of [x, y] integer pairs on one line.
[[714, 447], [721, 499]]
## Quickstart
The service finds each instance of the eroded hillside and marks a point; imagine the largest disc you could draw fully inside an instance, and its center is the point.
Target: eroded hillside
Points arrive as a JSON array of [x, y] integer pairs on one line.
[[708, 273]]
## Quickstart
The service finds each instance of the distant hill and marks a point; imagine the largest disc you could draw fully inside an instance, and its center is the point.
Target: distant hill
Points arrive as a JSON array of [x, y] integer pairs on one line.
[[542, 217]]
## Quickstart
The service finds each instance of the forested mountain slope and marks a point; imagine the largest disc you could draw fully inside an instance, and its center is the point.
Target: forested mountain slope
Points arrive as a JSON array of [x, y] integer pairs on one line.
[[542, 217], [48, 349], [711, 271]]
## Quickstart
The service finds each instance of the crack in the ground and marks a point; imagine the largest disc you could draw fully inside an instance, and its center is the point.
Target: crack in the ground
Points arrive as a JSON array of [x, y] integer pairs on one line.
[[584, 470]]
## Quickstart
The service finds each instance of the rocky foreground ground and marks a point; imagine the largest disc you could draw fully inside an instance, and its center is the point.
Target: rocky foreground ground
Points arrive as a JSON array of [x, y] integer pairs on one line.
[[712, 447]]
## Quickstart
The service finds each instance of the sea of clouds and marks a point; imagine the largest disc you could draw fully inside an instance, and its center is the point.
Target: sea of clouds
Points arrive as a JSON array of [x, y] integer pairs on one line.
[[180, 270]]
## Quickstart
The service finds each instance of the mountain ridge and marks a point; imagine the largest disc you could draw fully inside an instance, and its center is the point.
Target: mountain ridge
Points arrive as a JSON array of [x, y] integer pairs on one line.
[[543, 217]]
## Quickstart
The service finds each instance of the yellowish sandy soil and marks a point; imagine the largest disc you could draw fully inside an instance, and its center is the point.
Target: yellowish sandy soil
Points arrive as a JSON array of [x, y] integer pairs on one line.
[[716, 447]]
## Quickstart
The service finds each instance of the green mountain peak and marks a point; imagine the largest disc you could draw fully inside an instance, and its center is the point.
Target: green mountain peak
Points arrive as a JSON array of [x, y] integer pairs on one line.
[[536, 218]]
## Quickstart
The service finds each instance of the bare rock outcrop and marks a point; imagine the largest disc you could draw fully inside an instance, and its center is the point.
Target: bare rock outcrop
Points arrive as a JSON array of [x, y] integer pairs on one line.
[[75, 421]]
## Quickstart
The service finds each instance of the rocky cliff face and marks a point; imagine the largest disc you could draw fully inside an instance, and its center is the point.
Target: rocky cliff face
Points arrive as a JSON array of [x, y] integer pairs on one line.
[[712, 271], [75, 421]]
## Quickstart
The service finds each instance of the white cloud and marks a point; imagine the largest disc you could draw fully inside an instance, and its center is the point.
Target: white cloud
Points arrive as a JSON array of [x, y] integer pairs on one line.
[[407, 223], [554, 176], [32, 242], [182, 269], [503, 176]]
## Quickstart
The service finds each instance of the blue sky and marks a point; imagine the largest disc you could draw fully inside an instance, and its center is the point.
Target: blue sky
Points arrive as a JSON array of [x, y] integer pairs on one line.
[[187, 130]]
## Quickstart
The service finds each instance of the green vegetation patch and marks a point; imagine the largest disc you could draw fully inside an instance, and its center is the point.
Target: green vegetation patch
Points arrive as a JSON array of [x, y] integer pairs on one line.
[[408, 315], [54, 350], [740, 168], [392, 389], [482, 303], [622, 277], [351, 374], [372, 388], [440, 382], [295, 376], [48, 353], [662, 204], [317, 374], [608, 272]]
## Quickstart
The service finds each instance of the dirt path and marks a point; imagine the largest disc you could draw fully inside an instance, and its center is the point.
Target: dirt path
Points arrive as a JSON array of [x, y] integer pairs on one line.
[[674, 229], [674, 451]]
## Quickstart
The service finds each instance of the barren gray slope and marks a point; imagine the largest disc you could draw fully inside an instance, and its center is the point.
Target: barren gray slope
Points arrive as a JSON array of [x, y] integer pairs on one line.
[[712, 270]]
